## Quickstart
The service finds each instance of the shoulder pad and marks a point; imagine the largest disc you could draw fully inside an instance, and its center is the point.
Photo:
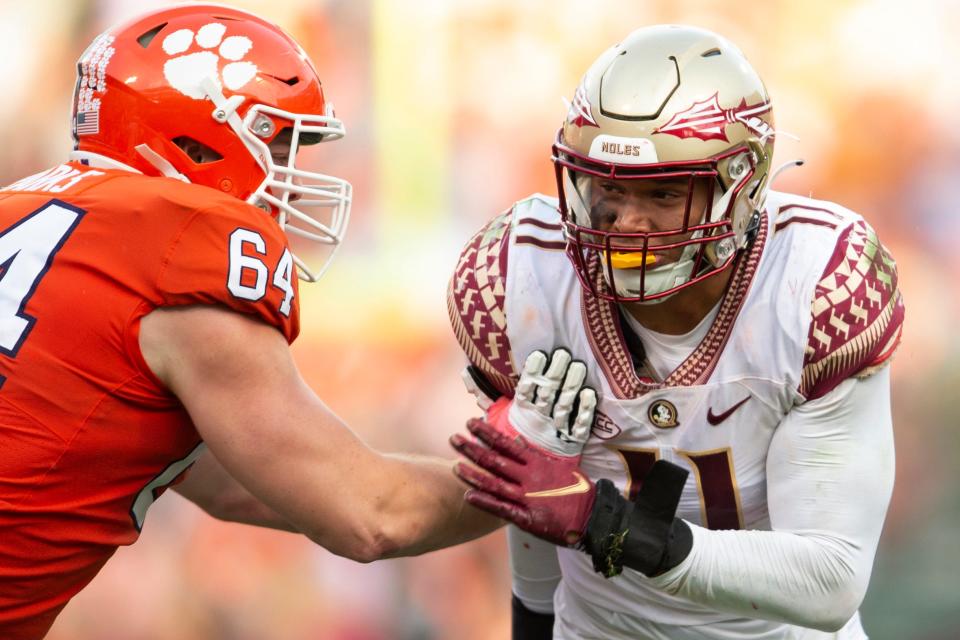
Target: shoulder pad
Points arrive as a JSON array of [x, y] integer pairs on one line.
[[475, 303], [857, 313], [235, 256]]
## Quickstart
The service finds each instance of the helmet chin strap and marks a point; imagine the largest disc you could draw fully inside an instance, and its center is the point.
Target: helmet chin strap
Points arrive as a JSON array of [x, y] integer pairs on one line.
[[225, 109], [160, 163], [225, 112]]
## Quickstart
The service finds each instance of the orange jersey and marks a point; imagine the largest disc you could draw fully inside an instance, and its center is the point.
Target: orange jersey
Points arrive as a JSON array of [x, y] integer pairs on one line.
[[88, 436]]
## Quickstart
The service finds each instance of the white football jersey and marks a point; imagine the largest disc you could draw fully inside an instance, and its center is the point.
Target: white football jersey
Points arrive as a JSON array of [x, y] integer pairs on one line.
[[812, 302]]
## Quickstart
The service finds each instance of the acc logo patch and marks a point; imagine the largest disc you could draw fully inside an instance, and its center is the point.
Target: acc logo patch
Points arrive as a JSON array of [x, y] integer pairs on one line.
[[603, 427], [663, 414]]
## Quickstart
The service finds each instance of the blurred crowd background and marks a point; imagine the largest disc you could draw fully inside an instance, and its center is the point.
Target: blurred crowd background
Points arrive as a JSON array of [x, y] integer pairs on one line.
[[451, 107]]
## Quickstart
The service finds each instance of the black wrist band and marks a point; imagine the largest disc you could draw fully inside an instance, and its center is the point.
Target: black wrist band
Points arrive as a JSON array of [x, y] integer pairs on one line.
[[644, 535], [606, 529], [652, 548]]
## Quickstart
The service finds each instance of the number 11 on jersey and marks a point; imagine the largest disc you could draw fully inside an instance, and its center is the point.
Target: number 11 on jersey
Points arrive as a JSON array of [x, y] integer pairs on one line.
[[713, 470]]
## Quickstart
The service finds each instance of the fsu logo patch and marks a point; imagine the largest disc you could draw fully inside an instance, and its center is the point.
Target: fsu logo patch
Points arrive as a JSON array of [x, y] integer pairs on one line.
[[707, 120], [663, 414]]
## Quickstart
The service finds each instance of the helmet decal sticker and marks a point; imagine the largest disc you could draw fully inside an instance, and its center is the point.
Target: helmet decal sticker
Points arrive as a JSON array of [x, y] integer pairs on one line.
[[579, 113], [93, 80], [706, 120], [185, 73]]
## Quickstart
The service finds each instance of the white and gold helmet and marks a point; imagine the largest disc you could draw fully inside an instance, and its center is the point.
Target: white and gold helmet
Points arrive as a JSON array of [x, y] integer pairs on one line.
[[672, 102]]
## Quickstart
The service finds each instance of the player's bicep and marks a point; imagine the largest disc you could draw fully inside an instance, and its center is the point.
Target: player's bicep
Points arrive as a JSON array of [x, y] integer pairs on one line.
[[208, 351], [830, 466], [236, 378]]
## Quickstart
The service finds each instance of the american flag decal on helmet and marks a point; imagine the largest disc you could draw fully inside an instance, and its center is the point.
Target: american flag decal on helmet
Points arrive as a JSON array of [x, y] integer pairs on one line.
[[579, 113], [88, 122], [707, 120]]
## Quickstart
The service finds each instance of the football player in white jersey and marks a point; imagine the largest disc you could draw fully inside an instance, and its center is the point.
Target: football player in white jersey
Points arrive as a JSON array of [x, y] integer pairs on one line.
[[740, 463]]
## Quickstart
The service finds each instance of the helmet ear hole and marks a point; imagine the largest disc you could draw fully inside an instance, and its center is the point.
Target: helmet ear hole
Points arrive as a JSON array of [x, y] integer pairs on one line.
[[198, 152]]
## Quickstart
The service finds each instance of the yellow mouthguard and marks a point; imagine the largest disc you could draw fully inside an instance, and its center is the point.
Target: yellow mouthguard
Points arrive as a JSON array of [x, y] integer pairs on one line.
[[631, 259]]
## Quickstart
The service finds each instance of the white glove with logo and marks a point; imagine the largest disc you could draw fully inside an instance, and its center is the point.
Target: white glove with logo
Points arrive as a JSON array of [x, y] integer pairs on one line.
[[551, 407]]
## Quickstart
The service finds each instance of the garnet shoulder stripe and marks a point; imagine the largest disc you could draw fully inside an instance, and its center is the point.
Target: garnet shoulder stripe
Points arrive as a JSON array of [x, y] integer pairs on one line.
[[538, 242], [536, 222]]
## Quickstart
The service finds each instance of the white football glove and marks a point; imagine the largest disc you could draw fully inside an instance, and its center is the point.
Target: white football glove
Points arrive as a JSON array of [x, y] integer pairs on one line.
[[545, 408]]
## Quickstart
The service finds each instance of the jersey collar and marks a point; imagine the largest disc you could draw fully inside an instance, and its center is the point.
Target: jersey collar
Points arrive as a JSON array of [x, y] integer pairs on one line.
[[98, 161]]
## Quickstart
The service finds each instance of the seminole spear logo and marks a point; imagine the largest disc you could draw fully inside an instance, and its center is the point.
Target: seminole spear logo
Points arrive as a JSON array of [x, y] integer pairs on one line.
[[707, 120], [579, 111]]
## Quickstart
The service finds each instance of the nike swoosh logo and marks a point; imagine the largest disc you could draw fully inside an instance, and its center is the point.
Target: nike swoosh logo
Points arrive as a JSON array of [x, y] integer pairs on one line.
[[582, 485], [716, 419]]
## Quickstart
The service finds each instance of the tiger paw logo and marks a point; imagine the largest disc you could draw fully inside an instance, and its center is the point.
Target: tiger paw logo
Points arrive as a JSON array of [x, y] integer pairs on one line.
[[187, 70]]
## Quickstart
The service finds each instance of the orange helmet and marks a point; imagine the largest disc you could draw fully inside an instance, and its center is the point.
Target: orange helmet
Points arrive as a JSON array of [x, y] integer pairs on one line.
[[221, 80]]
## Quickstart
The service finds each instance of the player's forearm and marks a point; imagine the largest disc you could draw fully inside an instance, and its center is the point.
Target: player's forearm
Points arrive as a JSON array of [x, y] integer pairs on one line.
[[829, 479], [366, 506], [238, 382], [813, 581], [535, 568], [426, 511], [391, 505], [244, 508], [213, 489]]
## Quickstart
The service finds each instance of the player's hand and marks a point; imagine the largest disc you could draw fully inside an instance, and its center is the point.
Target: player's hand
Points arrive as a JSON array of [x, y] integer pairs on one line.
[[543, 428], [549, 496], [551, 408], [541, 492]]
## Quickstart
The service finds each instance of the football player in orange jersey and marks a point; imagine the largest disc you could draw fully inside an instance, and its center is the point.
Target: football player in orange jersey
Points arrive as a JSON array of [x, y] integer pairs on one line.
[[148, 296]]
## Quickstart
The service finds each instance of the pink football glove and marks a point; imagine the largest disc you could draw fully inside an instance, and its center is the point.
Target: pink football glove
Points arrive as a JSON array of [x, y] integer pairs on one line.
[[541, 492], [528, 456], [542, 429]]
